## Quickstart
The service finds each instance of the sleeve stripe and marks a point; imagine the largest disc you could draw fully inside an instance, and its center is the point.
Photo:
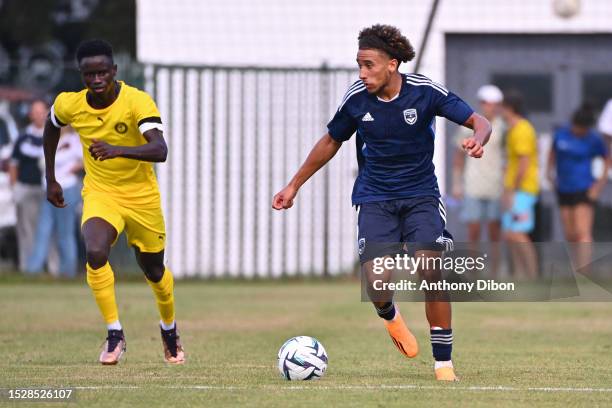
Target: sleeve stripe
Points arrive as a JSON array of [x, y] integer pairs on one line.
[[351, 93], [56, 122], [150, 125], [423, 83], [152, 119]]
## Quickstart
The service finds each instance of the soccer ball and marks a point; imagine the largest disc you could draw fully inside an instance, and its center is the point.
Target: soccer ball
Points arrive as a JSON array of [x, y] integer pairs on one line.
[[302, 358]]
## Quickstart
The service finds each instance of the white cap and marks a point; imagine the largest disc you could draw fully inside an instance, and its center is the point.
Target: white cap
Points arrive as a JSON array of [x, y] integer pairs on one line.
[[490, 93]]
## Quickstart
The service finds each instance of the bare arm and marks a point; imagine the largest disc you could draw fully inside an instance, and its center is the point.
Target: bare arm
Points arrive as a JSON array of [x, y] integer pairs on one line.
[[550, 165], [51, 136], [596, 188], [155, 150], [458, 166], [321, 153], [482, 131], [12, 171]]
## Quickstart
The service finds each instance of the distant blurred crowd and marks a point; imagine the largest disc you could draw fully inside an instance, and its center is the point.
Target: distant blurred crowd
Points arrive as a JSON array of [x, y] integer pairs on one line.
[[500, 191], [34, 235]]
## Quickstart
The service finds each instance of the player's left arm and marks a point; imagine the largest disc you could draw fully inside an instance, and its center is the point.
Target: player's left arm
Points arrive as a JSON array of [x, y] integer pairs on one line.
[[149, 123], [155, 150], [452, 107], [473, 145]]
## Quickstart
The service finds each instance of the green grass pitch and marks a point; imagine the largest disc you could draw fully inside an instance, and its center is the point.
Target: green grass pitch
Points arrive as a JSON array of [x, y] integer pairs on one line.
[[506, 354]]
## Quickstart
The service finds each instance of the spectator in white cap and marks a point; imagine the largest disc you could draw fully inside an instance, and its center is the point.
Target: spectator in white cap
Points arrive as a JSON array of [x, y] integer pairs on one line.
[[479, 183]]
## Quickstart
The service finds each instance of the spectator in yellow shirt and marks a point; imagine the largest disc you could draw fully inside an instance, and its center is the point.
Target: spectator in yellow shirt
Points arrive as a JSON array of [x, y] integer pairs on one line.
[[521, 185]]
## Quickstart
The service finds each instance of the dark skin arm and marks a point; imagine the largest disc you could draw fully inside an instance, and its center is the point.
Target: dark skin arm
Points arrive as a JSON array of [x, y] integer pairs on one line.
[[51, 136], [155, 150]]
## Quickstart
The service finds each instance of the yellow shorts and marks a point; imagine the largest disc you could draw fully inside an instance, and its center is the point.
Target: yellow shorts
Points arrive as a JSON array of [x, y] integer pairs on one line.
[[144, 226]]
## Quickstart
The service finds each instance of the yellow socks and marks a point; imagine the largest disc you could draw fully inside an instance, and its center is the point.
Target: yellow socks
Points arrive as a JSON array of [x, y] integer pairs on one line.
[[164, 295], [102, 283]]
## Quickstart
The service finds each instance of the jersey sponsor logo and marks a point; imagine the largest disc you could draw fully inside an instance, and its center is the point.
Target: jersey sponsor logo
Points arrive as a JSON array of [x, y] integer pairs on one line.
[[121, 127], [361, 245], [410, 116], [367, 118]]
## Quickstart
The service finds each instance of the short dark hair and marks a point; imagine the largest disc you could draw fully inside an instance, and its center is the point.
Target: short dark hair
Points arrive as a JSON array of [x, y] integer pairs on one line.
[[388, 39], [92, 48], [584, 116], [513, 99]]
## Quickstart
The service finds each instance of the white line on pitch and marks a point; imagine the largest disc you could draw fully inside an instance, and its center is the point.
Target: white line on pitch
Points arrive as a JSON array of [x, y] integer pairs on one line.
[[348, 387]]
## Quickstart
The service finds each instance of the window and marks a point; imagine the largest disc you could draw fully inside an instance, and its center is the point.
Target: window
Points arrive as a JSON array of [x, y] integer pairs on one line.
[[536, 89], [597, 89]]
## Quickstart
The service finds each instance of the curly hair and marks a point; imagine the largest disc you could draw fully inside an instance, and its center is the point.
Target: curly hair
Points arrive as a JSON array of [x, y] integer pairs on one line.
[[93, 48], [388, 39]]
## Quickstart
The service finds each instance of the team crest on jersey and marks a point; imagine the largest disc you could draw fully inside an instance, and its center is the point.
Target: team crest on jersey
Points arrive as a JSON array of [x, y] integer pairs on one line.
[[121, 127], [410, 116]]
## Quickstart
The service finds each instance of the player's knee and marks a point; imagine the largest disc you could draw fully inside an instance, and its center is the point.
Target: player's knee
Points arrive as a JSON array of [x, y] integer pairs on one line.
[[97, 256], [154, 273]]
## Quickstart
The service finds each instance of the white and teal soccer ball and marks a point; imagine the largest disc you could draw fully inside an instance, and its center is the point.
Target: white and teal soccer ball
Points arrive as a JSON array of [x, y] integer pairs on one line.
[[302, 358]]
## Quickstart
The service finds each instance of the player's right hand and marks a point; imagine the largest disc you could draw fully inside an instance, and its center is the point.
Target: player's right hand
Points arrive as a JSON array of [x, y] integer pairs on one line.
[[55, 194], [284, 198]]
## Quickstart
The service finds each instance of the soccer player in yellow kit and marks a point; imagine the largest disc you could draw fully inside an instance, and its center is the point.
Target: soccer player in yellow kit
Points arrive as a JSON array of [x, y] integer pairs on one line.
[[121, 132]]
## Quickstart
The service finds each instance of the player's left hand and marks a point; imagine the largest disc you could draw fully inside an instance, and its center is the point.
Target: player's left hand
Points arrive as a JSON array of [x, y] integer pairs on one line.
[[472, 147], [103, 151]]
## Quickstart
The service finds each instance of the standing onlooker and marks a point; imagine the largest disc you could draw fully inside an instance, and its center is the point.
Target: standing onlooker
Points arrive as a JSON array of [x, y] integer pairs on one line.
[[572, 153], [521, 185], [26, 179], [479, 183], [61, 221]]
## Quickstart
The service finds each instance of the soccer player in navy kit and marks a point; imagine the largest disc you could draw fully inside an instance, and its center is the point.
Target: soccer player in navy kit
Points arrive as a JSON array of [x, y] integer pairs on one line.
[[396, 190]]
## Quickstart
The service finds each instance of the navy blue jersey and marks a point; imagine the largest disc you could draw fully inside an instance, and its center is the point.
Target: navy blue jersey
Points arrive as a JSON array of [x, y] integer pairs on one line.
[[395, 139]]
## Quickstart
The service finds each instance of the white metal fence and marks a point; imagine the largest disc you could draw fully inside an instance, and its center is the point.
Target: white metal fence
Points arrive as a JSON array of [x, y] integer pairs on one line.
[[235, 137]]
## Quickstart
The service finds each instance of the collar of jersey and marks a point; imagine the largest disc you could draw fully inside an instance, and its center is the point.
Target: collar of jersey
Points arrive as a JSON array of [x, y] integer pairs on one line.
[[396, 97], [92, 109]]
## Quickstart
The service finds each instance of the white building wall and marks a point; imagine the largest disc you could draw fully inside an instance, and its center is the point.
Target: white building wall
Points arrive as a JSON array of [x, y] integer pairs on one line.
[[309, 33]]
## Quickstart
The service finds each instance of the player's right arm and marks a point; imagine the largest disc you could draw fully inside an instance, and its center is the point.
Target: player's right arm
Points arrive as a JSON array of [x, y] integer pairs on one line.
[[321, 153], [58, 117], [340, 129], [51, 135]]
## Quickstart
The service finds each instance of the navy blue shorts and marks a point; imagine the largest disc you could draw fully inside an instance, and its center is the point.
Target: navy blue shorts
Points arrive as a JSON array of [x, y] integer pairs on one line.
[[396, 226]]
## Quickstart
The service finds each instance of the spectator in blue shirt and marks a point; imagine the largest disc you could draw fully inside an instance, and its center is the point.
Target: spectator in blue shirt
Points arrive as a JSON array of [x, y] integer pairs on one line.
[[569, 169]]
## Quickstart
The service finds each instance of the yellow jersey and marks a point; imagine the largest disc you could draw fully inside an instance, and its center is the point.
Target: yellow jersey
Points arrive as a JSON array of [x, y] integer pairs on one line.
[[521, 141], [127, 181]]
